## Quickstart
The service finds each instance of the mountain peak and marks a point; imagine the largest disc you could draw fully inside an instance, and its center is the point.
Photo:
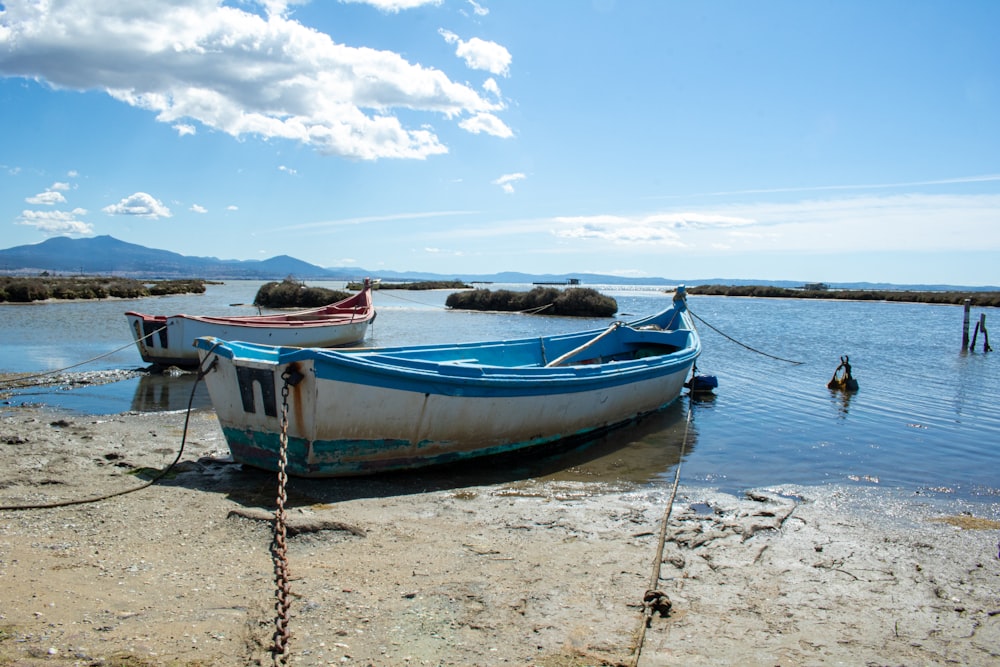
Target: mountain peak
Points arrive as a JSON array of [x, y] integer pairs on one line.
[[107, 255]]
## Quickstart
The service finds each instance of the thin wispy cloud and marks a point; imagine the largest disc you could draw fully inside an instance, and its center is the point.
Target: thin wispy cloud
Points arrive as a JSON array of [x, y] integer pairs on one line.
[[988, 178], [889, 223], [443, 251], [364, 220], [658, 228], [507, 181], [478, 9]]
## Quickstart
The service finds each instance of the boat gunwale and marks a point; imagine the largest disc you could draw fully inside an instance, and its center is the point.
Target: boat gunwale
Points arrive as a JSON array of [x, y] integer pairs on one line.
[[356, 308], [380, 362]]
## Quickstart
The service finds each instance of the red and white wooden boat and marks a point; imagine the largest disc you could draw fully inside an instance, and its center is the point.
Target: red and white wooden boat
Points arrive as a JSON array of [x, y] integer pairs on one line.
[[168, 340]]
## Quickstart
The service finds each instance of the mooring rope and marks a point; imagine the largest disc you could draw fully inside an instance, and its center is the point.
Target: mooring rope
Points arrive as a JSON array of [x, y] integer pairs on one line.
[[790, 361], [163, 473], [13, 382], [403, 298], [655, 599], [535, 310]]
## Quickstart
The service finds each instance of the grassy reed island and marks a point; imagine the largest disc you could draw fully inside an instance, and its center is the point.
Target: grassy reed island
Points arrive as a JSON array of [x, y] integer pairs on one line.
[[43, 288], [290, 293], [575, 301]]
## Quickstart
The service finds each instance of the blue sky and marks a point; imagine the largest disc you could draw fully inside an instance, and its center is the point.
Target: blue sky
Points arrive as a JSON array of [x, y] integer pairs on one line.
[[815, 141]]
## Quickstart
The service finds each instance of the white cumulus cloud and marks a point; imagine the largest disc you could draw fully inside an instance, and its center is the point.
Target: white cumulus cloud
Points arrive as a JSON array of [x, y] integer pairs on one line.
[[220, 65], [139, 204], [486, 123], [57, 223], [480, 54], [393, 6], [48, 198]]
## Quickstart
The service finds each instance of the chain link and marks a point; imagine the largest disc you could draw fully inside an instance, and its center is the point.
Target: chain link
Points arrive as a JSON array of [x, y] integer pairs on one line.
[[279, 552]]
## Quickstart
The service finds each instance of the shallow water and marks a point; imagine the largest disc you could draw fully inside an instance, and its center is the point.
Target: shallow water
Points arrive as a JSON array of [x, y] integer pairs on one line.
[[925, 418]]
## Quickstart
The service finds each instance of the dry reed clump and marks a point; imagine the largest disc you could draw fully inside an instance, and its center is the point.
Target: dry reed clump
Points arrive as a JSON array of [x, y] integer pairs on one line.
[[575, 301], [290, 293]]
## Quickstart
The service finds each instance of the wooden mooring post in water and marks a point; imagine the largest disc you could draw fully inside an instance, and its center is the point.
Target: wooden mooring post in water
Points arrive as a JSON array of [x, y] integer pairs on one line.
[[980, 326], [965, 324]]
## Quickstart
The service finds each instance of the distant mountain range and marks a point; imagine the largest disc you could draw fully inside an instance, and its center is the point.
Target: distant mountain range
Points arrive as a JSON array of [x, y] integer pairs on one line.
[[106, 255]]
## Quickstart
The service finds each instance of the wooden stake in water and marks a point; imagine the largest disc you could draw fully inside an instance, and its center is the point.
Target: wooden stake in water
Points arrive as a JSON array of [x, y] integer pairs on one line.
[[965, 326], [980, 326]]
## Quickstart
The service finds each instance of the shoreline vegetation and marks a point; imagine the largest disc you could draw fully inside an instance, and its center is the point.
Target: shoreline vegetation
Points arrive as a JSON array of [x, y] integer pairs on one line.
[[292, 293], [820, 291], [45, 287], [416, 285]]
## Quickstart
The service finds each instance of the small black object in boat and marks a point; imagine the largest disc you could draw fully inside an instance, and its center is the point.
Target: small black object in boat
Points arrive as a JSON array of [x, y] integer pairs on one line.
[[702, 383], [842, 378]]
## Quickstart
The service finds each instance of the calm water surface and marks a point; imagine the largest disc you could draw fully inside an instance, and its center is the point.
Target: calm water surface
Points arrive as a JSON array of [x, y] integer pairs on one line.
[[925, 419]]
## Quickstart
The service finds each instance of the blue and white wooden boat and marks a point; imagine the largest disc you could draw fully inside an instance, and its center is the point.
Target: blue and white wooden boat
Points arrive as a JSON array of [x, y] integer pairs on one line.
[[363, 411]]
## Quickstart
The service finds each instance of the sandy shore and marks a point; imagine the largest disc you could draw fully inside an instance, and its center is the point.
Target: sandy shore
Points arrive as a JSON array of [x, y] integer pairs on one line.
[[425, 570]]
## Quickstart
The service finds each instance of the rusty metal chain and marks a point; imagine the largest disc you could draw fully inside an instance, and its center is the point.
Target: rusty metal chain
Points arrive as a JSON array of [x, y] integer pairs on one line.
[[279, 553]]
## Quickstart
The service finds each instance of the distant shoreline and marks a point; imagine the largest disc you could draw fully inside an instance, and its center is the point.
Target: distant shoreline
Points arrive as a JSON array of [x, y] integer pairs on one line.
[[58, 289], [981, 299]]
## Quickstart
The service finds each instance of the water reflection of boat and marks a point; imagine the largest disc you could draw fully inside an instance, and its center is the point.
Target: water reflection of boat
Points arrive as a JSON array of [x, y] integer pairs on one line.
[[161, 392], [642, 453]]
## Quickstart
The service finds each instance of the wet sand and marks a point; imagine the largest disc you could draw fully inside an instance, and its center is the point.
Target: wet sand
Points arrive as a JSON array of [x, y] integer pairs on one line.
[[426, 570]]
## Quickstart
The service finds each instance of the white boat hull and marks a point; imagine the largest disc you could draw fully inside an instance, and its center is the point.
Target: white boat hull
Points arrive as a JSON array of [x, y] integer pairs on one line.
[[169, 340], [332, 432], [353, 412]]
